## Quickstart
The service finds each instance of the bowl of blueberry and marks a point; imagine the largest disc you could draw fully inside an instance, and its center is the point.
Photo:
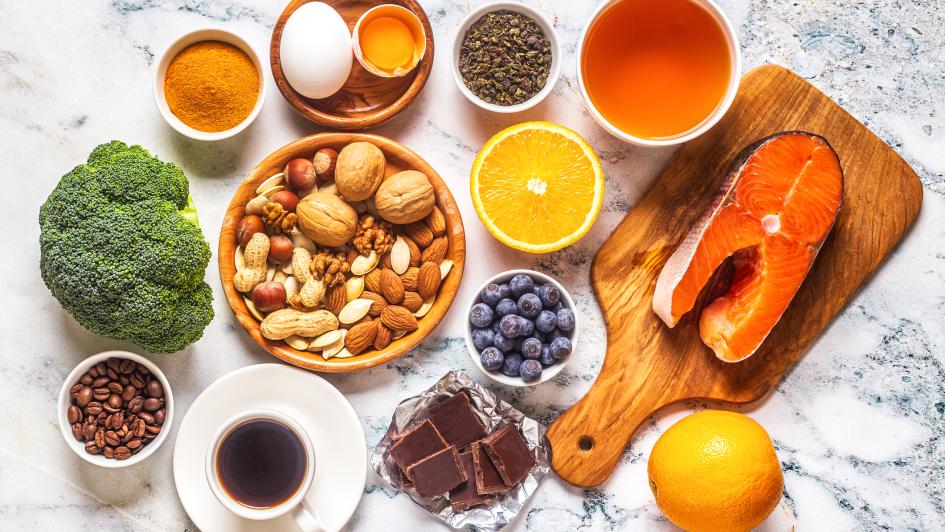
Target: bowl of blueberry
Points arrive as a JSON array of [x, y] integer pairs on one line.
[[521, 327]]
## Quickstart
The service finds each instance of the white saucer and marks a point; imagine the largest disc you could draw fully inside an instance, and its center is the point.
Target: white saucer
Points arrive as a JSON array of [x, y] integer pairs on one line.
[[336, 433]]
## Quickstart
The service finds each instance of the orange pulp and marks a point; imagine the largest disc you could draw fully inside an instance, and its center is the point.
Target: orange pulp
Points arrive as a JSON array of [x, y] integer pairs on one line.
[[656, 68], [387, 43]]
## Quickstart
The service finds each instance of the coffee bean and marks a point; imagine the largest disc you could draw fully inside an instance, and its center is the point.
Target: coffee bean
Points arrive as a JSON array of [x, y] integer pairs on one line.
[[100, 382], [93, 372], [86, 379], [113, 362], [125, 438], [147, 417], [128, 392], [74, 414], [101, 368], [142, 369], [77, 431], [127, 366], [75, 389], [122, 453], [91, 448], [112, 374], [88, 431], [137, 380], [110, 409], [94, 408], [115, 387], [134, 444], [153, 429], [159, 417], [155, 389], [151, 404], [83, 396], [112, 439], [137, 428], [114, 401], [101, 417], [124, 380], [101, 394], [100, 437], [149, 435], [109, 452], [118, 419]]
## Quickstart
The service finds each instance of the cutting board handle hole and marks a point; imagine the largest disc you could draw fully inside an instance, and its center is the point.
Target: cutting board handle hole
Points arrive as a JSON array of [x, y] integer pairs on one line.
[[586, 443]]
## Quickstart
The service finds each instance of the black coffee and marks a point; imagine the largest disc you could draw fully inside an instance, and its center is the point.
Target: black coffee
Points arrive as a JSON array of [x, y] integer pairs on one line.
[[261, 463]]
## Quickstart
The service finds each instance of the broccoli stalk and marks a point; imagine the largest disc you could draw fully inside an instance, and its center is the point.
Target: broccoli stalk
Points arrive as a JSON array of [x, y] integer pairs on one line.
[[122, 252]]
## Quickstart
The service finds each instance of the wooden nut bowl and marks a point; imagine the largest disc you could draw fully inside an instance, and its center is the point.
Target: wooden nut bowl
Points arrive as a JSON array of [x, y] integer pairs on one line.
[[398, 158], [365, 100]]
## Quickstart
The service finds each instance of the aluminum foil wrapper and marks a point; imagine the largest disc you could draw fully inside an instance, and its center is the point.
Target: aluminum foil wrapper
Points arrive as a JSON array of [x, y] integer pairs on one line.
[[493, 412]]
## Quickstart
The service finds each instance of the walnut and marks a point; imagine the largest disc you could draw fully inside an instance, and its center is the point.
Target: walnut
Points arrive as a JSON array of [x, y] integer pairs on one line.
[[373, 233], [330, 267], [277, 219]]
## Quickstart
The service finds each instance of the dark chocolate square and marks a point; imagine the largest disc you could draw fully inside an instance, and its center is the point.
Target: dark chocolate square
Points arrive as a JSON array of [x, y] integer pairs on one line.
[[488, 479], [416, 444], [438, 473], [509, 452], [466, 495], [457, 421]]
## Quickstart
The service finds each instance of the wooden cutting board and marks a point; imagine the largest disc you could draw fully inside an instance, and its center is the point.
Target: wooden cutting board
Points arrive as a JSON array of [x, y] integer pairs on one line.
[[648, 365]]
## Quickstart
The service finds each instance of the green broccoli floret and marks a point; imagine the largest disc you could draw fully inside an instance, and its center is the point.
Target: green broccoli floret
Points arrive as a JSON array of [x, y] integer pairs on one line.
[[122, 252]]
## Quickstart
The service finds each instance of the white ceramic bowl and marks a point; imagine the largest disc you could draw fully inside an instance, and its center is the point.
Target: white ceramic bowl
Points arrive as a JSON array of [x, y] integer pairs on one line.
[[205, 34], [731, 38], [547, 373], [546, 26], [65, 400]]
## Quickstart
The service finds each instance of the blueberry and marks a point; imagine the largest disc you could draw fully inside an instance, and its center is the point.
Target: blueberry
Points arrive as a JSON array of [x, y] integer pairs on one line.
[[549, 295], [492, 294], [565, 319], [546, 358], [511, 364], [504, 344], [529, 305], [494, 327], [482, 338], [511, 326], [528, 327], [557, 306], [481, 315], [531, 348], [505, 307], [560, 347], [548, 337], [530, 370], [546, 321], [521, 284], [491, 358]]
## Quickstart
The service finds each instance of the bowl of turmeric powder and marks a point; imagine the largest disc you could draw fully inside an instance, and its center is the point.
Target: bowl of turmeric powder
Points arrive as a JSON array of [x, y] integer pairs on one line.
[[209, 84]]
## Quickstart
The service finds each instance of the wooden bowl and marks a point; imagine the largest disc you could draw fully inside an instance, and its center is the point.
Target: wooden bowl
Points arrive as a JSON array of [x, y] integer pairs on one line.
[[365, 100], [398, 158]]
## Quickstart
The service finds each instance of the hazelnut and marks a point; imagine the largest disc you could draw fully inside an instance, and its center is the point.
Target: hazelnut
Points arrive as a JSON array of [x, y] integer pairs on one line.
[[300, 174], [249, 226], [280, 249], [324, 162], [287, 199], [269, 297]]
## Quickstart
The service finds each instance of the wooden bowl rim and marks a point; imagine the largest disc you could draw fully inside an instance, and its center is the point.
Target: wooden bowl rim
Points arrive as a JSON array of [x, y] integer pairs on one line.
[[456, 251], [312, 113]]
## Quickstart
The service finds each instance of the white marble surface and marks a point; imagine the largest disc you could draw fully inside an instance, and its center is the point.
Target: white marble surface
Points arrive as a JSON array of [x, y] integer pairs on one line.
[[857, 423]]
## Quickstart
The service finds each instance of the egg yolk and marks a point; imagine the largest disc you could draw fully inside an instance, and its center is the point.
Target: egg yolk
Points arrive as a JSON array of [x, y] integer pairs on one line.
[[387, 43]]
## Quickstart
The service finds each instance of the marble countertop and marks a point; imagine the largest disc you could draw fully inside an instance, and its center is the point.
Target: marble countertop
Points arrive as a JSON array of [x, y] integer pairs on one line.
[[858, 422]]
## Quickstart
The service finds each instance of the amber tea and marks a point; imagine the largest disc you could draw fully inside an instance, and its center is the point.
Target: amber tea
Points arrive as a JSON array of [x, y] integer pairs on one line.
[[656, 69]]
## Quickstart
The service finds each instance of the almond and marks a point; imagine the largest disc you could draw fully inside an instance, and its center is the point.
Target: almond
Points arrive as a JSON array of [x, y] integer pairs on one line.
[[412, 301], [372, 281], [436, 251], [409, 278], [383, 337], [361, 336], [391, 287], [419, 233], [386, 262], [398, 318], [377, 303], [428, 280], [336, 298], [414, 251], [436, 222]]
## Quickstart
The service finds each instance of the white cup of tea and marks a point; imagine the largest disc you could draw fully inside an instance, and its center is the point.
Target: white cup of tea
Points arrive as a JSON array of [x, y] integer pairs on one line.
[[260, 465]]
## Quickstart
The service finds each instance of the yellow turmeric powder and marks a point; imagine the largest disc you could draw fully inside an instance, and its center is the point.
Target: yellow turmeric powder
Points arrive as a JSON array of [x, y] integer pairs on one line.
[[211, 86]]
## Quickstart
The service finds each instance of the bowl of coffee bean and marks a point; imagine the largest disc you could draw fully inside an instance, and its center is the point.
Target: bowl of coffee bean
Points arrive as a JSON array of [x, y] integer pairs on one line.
[[521, 327], [115, 409]]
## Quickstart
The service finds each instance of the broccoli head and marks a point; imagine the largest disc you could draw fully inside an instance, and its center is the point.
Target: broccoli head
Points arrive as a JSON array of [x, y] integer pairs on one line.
[[121, 250]]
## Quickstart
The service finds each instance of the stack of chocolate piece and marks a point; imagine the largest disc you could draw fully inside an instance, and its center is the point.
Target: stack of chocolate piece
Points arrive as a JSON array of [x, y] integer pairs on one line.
[[451, 453]]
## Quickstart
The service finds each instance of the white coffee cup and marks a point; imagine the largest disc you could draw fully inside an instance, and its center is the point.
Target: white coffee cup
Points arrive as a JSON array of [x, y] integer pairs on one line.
[[302, 512]]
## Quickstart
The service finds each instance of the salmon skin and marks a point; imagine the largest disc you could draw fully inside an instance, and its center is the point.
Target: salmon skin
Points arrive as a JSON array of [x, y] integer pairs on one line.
[[771, 216]]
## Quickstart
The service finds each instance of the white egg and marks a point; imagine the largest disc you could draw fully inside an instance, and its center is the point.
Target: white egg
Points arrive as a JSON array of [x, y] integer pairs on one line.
[[316, 51]]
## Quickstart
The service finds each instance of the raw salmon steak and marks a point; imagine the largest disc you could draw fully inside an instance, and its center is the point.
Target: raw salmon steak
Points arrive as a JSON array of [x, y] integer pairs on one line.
[[771, 216]]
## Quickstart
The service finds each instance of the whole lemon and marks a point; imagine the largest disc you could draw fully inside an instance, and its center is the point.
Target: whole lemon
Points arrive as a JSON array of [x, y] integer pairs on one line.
[[715, 471]]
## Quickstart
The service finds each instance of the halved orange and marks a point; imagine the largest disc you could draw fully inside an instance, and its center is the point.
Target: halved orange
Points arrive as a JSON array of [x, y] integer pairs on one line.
[[537, 186]]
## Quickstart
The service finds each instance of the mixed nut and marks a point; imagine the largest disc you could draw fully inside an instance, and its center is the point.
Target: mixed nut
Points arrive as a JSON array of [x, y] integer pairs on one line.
[[335, 256], [117, 408]]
